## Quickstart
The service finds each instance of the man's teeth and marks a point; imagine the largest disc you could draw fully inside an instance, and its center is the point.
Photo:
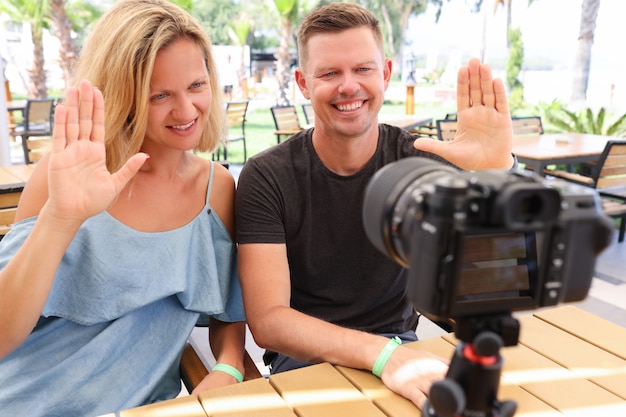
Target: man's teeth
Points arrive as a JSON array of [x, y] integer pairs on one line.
[[184, 127], [350, 107]]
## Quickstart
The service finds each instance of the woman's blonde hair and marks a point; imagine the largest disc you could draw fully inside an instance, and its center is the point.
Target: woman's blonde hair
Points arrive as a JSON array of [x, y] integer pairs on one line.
[[119, 59]]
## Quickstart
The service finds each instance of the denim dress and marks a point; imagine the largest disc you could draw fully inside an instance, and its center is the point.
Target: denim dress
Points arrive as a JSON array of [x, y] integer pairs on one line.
[[121, 308]]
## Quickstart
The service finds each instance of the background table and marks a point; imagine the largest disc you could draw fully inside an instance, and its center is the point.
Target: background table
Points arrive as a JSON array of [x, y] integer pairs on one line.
[[539, 151], [14, 177], [568, 362], [404, 121]]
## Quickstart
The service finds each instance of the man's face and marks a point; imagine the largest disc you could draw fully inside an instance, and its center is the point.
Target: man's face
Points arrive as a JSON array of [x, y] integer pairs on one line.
[[345, 76]]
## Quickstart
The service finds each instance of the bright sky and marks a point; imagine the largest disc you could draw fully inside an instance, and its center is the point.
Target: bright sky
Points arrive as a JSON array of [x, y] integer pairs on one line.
[[549, 29]]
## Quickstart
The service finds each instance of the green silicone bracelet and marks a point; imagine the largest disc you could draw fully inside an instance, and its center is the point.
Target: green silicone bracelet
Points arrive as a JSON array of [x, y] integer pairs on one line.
[[384, 355], [230, 370]]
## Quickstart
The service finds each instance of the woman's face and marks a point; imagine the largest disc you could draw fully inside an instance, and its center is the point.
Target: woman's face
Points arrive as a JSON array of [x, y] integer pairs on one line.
[[180, 96]]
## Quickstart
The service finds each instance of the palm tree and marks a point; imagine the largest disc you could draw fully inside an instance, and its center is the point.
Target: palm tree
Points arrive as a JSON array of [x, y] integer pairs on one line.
[[589, 14], [288, 12], [63, 31], [35, 13], [238, 31]]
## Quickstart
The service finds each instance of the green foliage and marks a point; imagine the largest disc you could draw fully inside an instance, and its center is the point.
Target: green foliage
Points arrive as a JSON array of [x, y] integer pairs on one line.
[[513, 69], [516, 59], [516, 99], [558, 118]]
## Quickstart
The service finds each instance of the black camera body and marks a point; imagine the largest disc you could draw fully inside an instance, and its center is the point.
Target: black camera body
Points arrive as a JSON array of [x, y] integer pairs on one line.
[[488, 242]]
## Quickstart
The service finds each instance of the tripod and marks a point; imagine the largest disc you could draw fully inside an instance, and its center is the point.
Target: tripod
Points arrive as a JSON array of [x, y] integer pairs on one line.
[[470, 388]]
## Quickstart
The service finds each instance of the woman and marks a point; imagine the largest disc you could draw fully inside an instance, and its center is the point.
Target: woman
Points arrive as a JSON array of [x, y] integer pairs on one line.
[[105, 275]]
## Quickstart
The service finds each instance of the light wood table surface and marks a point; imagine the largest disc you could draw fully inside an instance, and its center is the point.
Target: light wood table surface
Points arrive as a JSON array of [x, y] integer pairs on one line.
[[568, 363], [539, 151]]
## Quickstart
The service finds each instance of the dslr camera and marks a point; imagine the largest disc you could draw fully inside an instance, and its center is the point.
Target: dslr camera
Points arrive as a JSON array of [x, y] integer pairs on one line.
[[488, 242]]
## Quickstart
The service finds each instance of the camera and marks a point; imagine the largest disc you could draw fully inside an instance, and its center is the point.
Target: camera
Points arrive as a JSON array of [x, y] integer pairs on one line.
[[487, 242]]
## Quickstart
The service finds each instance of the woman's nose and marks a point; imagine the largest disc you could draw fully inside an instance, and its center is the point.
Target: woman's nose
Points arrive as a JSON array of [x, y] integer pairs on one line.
[[184, 108]]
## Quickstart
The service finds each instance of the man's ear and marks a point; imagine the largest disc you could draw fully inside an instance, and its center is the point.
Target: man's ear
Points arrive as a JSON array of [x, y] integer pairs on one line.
[[301, 81], [387, 66]]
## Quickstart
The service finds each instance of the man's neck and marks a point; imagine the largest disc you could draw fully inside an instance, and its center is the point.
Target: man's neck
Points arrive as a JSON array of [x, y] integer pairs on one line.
[[345, 155]]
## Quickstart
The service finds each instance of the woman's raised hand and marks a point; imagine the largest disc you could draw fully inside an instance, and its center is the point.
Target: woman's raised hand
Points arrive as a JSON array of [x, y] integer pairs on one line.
[[79, 183]]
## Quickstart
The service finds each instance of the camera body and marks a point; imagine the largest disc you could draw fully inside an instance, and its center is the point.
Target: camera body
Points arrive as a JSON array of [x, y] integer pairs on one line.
[[487, 242]]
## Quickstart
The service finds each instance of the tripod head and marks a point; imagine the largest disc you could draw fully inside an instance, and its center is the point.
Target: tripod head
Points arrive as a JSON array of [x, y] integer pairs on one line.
[[471, 384]]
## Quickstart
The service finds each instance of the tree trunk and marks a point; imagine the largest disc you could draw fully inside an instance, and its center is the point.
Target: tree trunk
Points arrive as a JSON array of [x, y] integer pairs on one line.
[[586, 35], [37, 86], [283, 67], [68, 51]]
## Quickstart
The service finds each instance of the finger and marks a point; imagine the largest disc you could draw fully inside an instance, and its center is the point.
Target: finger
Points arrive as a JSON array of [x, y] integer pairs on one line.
[[416, 396], [475, 86], [486, 80], [502, 104], [97, 132], [462, 89], [71, 122], [85, 110], [58, 131]]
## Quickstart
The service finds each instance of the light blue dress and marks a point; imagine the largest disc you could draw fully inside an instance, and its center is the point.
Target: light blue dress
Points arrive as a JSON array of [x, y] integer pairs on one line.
[[121, 308]]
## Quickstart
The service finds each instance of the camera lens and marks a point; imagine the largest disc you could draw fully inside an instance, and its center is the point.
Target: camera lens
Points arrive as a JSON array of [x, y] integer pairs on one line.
[[390, 195]]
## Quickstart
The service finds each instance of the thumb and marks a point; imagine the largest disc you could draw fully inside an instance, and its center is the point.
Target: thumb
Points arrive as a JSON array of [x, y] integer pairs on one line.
[[434, 146], [130, 168]]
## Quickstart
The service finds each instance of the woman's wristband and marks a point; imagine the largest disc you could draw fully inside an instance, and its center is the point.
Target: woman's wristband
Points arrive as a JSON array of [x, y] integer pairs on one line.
[[384, 355], [230, 370]]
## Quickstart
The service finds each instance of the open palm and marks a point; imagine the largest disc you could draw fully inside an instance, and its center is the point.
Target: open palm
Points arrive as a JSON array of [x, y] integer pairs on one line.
[[80, 184], [484, 138]]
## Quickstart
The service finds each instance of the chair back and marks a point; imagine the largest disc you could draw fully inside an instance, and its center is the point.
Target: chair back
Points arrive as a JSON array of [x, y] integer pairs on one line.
[[309, 113], [446, 129], [611, 168], [38, 115], [286, 121], [608, 172], [530, 125], [236, 112]]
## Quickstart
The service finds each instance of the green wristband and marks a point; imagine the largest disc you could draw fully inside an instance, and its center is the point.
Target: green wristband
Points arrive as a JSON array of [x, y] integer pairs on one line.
[[384, 355], [230, 370]]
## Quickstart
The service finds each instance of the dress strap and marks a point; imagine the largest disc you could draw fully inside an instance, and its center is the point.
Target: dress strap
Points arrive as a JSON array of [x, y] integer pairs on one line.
[[208, 191]]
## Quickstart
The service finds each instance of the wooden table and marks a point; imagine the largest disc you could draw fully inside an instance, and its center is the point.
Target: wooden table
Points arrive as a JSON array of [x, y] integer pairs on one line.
[[14, 177], [16, 105], [539, 151], [404, 121], [568, 363]]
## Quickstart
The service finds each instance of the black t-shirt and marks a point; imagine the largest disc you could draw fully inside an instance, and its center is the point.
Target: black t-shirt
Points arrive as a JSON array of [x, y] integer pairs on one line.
[[286, 195]]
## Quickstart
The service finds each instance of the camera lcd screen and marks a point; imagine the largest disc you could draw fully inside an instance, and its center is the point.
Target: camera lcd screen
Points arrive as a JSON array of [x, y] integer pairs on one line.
[[498, 267]]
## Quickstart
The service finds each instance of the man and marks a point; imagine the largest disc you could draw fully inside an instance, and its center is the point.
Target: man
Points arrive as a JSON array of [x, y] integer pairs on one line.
[[315, 289]]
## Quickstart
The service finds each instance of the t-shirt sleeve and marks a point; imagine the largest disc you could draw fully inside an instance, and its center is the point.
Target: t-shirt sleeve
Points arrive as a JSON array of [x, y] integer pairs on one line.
[[259, 206]]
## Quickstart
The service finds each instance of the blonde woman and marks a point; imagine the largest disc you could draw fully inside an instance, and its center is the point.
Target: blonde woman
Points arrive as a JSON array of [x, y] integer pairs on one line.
[[123, 236]]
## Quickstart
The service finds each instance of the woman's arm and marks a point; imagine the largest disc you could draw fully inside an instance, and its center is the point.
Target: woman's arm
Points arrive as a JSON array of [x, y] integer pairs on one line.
[[69, 186]]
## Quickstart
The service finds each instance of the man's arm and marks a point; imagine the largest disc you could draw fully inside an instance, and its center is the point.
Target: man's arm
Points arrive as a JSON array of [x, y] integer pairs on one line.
[[265, 281], [484, 139]]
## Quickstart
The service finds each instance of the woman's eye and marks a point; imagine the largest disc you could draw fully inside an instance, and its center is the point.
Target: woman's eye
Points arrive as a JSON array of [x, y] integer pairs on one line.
[[158, 97]]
